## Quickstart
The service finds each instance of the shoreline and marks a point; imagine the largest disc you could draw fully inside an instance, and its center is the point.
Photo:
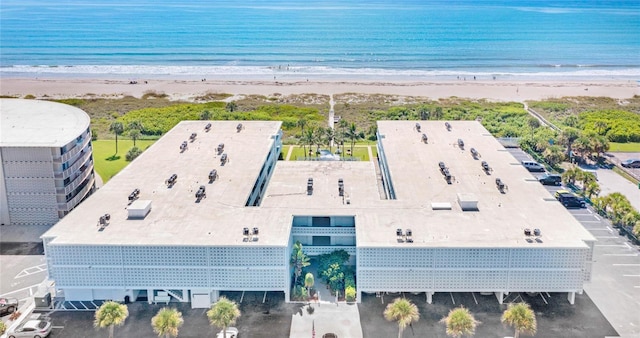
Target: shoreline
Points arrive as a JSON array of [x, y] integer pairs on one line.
[[188, 89]]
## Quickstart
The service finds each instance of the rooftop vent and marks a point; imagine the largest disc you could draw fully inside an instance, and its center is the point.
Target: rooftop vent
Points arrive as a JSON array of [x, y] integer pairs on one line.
[[213, 175], [501, 186], [340, 187], [224, 159], [405, 236], [440, 206], [408, 235], [474, 153], [134, 195], [171, 180], [425, 139], [207, 127], [418, 127], [103, 221], [537, 232], [183, 146], [239, 127], [250, 236], [448, 126], [310, 186], [139, 209], [460, 144], [220, 148], [468, 201], [527, 232], [201, 193], [486, 168], [193, 136]]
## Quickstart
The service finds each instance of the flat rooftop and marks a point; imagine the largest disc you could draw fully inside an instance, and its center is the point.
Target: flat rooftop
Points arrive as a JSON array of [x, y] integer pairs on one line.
[[176, 219], [35, 123]]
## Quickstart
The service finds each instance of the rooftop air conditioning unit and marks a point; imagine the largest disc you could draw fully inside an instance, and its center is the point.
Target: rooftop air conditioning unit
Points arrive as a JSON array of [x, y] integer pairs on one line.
[[340, 187], [468, 201], [224, 159], [134, 195], [193, 136], [183, 146], [448, 126], [501, 186], [474, 153], [171, 180], [239, 127], [220, 148], [207, 127], [486, 168], [213, 175], [201, 193], [460, 144], [418, 127], [425, 139], [310, 186]]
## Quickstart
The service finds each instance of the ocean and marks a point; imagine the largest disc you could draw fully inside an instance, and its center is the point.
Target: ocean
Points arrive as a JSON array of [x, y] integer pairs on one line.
[[348, 39]]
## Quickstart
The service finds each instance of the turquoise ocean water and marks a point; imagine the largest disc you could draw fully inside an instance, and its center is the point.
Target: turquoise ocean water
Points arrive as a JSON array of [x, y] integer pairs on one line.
[[350, 39]]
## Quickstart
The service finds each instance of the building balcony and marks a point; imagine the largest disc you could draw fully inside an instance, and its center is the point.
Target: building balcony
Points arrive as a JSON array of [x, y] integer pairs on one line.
[[323, 231], [86, 139], [79, 196], [84, 173], [79, 163], [315, 250]]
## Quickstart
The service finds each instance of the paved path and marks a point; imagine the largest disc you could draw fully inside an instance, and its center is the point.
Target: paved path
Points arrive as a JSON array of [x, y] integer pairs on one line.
[[289, 152]]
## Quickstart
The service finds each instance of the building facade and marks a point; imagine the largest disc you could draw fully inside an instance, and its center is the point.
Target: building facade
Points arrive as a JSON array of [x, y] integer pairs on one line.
[[46, 161], [408, 224]]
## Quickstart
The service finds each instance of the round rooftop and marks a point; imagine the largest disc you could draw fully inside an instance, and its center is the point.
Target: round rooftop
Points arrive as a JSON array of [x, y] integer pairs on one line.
[[35, 123]]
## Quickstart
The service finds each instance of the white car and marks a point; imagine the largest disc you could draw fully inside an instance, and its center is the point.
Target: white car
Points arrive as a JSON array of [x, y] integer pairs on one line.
[[31, 329], [232, 332]]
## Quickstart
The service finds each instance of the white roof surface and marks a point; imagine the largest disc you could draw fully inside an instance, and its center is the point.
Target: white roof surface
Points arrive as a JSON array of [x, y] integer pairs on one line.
[[35, 123], [176, 219]]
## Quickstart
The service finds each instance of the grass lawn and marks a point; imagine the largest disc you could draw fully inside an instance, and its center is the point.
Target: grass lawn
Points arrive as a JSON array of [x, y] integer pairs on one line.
[[103, 150], [359, 151], [629, 147]]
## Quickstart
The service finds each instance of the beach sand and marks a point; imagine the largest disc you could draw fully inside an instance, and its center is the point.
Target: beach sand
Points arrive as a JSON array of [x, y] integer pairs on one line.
[[56, 88]]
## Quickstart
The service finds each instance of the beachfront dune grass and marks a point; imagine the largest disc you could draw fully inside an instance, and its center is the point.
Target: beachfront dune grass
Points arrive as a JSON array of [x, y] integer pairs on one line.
[[106, 162]]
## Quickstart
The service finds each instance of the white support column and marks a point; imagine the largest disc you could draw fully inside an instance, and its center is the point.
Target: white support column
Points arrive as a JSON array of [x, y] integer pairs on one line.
[[185, 296], [571, 297], [359, 297], [287, 296], [215, 294], [429, 297], [150, 295], [500, 296]]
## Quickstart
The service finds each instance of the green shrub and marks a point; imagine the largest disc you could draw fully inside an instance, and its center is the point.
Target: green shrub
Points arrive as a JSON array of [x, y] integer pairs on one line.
[[29, 97], [94, 135], [350, 293], [133, 153]]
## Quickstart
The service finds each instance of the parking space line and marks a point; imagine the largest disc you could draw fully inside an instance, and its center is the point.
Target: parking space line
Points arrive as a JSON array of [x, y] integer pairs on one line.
[[628, 246], [631, 255], [474, 298], [597, 217], [605, 236], [453, 300], [619, 264], [545, 301], [610, 245], [590, 221], [598, 229]]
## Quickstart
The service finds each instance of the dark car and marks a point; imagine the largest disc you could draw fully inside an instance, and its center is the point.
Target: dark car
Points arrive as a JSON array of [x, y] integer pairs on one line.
[[549, 179], [571, 201], [632, 163], [8, 305]]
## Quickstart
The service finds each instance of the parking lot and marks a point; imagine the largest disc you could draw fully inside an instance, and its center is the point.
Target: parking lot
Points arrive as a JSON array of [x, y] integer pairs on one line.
[[615, 284]]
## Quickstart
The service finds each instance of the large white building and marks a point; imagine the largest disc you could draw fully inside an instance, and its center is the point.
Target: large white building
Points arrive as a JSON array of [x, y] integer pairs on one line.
[[465, 234], [46, 164]]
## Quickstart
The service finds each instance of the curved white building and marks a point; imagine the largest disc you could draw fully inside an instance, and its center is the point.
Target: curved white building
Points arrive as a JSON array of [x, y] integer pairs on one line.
[[46, 161]]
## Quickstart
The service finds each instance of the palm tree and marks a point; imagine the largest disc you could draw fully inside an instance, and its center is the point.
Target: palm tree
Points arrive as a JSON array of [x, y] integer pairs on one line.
[[308, 282], [134, 134], [533, 123], [167, 322], [223, 314], [302, 122], [299, 260], [329, 135], [308, 138], [567, 137], [521, 317], [117, 128], [205, 115], [111, 314], [319, 138], [402, 311], [600, 126], [553, 155], [352, 134], [3, 327], [460, 322], [231, 106], [591, 188]]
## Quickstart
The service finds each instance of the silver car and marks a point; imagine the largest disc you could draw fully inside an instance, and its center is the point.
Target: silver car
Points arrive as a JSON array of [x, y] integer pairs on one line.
[[31, 329]]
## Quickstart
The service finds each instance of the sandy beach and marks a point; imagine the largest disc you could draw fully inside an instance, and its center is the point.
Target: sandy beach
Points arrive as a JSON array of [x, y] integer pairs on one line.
[[188, 89]]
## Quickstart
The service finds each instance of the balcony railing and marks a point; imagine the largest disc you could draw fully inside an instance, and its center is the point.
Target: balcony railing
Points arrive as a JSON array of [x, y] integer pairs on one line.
[[76, 181], [79, 163], [81, 194], [323, 231], [315, 250], [73, 151]]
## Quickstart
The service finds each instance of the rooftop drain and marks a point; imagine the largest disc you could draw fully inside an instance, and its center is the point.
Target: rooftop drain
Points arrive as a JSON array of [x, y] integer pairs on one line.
[[139, 209], [468, 201], [207, 127]]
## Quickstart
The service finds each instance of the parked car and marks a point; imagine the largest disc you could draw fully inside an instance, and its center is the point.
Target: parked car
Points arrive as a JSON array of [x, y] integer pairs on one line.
[[560, 192], [31, 329], [631, 163], [572, 201], [232, 332], [8, 305], [550, 179], [533, 166]]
